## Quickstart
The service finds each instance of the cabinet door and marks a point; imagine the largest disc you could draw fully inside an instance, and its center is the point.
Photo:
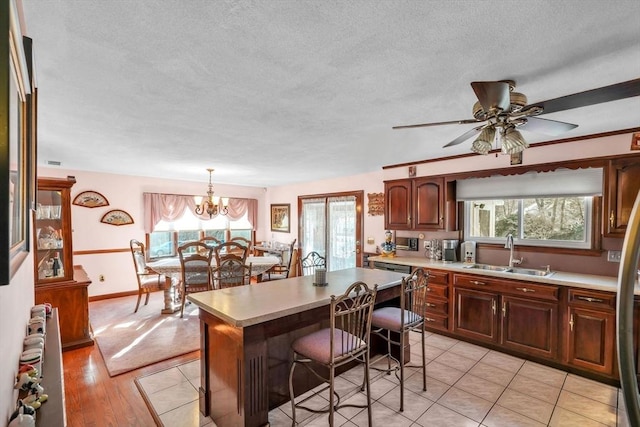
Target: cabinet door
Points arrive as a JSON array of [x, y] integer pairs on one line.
[[530, 326], [397, 214], [592, 337], [476, 314], [428, 203], [623, 184]]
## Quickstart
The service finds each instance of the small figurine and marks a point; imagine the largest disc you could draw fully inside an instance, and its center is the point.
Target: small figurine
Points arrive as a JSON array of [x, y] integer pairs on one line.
[[35, 397], [22, 409], [23, 420], [388, 247]]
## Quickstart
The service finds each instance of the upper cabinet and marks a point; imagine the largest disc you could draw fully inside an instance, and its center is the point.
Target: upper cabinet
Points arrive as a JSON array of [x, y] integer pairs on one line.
[[415, 204], [53, 259], [622, 186]]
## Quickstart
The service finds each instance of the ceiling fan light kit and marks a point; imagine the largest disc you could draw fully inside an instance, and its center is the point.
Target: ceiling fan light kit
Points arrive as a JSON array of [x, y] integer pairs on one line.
[[506, 110]]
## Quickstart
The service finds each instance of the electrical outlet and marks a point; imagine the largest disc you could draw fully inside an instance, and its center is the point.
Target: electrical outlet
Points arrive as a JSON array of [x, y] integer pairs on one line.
[[614, 256]]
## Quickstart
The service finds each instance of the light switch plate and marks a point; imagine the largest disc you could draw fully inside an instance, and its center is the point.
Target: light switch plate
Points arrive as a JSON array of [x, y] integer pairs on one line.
[[614, 256]]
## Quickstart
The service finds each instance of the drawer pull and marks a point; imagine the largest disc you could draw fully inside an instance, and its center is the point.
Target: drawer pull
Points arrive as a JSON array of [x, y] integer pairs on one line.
[[429, 319], [571, 322], [590, 299], [430, 304], [475, 282], [525, 290]]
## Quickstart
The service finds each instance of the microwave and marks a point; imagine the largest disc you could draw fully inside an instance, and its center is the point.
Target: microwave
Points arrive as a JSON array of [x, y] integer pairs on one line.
[[407, 243]]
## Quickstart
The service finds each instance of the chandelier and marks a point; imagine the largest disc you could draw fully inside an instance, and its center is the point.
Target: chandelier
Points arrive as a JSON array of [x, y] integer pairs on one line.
[[213, 205]]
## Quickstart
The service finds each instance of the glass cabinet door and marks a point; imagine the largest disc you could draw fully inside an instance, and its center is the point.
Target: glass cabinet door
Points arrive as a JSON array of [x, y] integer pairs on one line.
[[53, 257]]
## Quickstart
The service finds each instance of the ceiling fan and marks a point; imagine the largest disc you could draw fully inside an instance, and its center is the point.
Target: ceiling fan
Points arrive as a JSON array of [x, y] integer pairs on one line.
[[504, 111]]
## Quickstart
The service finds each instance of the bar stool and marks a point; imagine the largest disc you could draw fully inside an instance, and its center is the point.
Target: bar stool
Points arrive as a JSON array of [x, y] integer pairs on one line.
[[345, 340], [400, 320]]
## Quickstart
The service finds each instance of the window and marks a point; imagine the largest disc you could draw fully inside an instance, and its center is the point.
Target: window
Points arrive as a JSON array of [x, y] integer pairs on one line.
[[543, 221], [168, 235], [538, 208]]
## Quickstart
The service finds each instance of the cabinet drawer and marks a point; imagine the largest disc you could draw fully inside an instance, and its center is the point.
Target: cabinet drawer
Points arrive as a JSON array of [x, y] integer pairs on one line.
[[593, 299], [437, 322], [477, 282], [439, 277], [438, 290], [436, 306], [532, 290]]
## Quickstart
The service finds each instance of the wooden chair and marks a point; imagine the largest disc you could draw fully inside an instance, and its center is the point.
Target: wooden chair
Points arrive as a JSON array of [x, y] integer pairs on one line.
[[243, 241], [230, 273], [346, 340], [391, 322], [210, 241], [195, 266], [282, 271], [312, 261], [149, 280], [227, 249]]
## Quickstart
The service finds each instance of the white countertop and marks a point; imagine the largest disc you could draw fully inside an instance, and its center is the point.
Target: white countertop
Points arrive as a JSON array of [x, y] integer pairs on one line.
[[586, 281], [252, 304]]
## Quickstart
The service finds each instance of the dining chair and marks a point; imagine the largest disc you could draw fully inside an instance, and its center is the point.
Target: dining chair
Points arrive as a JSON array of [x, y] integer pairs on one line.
[[282, 270], [243, 241], [210, 241], [195, 267], [312, 261], [226, 249], [149, 280], [346, 340], [391, 322], [231, 272]]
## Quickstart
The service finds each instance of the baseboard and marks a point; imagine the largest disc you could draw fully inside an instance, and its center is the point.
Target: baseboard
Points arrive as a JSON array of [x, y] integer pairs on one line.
[[109, 296]]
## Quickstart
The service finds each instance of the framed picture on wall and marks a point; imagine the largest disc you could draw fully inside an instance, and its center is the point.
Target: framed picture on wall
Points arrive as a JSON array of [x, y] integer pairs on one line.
[[635, 141], [280, 215]]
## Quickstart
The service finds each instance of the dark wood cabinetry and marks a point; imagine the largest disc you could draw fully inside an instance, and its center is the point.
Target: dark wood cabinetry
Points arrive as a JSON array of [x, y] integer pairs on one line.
[[622, 186], [437, 311], [591, 333], [516, 315], [57, 280], [415, 204]]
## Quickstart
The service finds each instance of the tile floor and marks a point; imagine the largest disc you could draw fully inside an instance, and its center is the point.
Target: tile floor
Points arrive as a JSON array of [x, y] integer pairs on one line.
[[467, 385]]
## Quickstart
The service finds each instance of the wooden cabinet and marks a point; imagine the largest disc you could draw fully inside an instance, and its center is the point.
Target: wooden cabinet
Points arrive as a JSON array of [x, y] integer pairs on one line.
[[591, 332], [622, 186], [57, 280], [517, 315], [437, 311], [415, 204]]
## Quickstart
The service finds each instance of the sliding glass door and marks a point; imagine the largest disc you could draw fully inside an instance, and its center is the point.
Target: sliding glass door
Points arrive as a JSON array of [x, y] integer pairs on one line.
[[332, 226]]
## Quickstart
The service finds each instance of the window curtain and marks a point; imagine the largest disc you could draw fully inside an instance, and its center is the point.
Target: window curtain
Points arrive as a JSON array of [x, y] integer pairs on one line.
[[169, 207]]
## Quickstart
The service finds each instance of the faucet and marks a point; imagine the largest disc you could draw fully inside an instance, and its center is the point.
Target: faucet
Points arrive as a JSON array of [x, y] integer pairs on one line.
[[510, 245]]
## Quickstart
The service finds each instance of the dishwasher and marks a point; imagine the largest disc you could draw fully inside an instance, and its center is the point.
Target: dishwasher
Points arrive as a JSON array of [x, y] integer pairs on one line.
[[392, 267]]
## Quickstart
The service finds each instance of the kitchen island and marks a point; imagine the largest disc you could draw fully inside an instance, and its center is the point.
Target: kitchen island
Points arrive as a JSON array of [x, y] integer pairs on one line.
[[245, 337]]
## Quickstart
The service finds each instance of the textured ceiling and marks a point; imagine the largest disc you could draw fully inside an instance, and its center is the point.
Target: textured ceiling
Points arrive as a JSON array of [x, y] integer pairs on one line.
[[276, 92]]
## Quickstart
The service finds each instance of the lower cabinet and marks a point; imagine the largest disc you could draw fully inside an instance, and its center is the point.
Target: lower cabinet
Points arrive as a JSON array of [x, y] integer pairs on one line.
[[516, 315], [437, 312], [591, 336]]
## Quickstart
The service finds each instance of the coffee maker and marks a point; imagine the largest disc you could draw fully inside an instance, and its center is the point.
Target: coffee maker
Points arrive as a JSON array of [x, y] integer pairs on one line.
[[449, 248]]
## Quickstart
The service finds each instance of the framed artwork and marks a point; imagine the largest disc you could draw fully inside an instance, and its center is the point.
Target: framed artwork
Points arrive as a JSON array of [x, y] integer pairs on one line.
[[516, 158], [635, 141], [14, 128], [117, 217], [376, 204], [90, 199], [280, 215]]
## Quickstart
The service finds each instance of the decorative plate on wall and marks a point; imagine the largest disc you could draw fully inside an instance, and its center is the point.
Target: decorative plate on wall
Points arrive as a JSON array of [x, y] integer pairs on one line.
[[90, 199], [117, 217]]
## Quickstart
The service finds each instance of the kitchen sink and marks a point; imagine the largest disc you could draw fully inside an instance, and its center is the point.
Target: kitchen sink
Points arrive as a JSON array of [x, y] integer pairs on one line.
[[532, 272], [488, 267], [506, 269]]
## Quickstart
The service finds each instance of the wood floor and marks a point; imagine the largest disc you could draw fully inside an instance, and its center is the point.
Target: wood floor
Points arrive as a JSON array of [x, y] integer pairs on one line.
[[95, 399]]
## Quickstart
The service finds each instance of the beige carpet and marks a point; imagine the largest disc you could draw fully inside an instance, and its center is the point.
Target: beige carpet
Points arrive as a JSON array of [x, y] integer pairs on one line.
[[129, 340]]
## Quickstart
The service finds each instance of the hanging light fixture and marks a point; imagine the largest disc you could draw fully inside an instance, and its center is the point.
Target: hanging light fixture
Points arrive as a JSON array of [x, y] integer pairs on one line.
[[513, 142], [482, 144], [213, 205]]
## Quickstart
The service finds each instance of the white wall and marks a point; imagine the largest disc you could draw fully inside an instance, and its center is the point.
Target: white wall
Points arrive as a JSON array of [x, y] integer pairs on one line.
[[16, 300]]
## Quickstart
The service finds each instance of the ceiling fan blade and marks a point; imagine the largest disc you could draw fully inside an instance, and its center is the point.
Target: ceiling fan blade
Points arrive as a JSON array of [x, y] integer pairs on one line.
[[453, 122], [492, 95], [609, 93], [546, 126], [464, 136]]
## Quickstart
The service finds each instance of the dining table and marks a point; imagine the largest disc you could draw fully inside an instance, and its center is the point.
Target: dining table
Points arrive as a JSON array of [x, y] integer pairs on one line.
[[171, 267]]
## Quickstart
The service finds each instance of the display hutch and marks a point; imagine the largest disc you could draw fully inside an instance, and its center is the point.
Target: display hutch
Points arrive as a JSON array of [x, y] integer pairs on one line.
[[57, 280]]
